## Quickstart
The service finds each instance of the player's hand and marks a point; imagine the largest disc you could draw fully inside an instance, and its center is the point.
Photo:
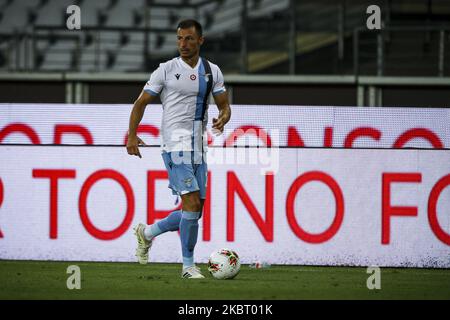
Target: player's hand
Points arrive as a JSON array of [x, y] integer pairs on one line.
[[218, 125], [133, 145]]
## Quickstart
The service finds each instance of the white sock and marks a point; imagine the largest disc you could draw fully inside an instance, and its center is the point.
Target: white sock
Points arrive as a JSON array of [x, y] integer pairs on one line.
[[151, 231]]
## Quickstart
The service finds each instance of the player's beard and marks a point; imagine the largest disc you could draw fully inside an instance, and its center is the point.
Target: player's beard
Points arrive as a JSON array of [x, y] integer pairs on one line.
[[189, 54]]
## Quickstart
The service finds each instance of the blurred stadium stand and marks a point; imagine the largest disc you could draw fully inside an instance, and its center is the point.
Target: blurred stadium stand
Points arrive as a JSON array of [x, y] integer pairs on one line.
[[320, 38]]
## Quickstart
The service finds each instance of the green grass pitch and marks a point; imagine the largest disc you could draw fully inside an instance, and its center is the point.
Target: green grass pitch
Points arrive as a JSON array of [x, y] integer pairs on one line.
[[155, 281]]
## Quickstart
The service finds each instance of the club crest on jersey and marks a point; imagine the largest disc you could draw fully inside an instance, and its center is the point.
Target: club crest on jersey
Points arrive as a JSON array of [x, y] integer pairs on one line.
[[177, 76], [193, 77], [207, 76]]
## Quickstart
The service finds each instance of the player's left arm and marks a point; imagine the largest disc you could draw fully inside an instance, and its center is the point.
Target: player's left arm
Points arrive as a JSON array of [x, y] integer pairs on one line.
[[223, 105]]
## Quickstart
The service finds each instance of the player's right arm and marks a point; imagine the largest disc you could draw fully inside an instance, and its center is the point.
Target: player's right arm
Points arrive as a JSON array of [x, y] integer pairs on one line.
[[135, 118], [151, 90]]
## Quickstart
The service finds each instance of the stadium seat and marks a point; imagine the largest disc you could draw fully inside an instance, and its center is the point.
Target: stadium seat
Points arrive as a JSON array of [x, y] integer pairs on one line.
[[222, 21]]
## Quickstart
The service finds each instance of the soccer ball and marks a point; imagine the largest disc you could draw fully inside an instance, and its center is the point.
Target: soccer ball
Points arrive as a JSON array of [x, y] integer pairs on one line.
[[224, 264]]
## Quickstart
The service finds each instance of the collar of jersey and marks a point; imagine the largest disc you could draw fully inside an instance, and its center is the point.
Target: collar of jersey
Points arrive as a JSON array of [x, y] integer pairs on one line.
[[188, 66]]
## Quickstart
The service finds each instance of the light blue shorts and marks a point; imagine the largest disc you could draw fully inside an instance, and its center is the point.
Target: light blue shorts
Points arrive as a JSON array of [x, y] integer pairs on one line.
[[188, 172]]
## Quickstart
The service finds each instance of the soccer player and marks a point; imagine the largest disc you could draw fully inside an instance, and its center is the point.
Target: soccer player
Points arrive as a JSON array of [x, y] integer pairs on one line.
[[183, 84]]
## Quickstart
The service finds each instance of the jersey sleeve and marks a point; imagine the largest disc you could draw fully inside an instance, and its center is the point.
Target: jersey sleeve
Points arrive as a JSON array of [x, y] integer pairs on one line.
[[219, 86], [155, 85]]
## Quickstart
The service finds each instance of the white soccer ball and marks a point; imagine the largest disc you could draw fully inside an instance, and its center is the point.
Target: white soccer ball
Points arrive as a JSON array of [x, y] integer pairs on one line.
[[224, 264]]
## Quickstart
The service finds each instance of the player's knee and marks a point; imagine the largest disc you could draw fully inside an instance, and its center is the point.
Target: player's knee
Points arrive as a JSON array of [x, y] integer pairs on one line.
[[192, 202], [196, 206]]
